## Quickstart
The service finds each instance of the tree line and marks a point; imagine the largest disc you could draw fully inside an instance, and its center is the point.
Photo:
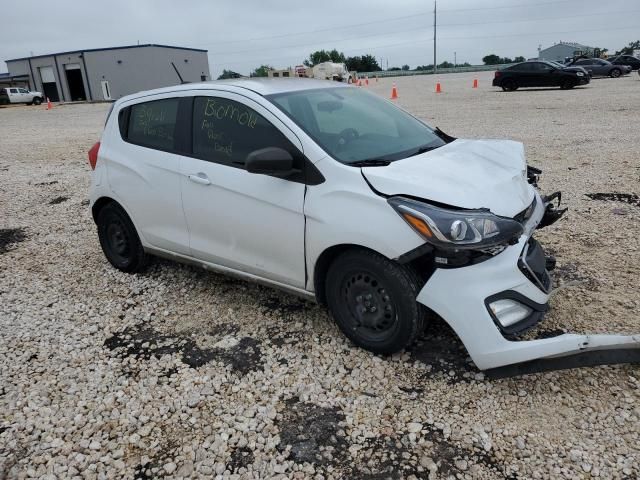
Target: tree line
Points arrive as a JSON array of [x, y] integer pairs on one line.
[[368, 62]]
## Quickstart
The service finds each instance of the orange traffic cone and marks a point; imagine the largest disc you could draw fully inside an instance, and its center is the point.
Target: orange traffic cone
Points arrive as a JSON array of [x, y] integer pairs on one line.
[[366, 81], [359, 83], [394, 92], [49, 105], [475, 83], [438, 88]]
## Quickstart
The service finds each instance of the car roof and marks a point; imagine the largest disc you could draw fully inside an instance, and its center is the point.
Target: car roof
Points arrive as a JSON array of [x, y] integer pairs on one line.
[[261, 86]]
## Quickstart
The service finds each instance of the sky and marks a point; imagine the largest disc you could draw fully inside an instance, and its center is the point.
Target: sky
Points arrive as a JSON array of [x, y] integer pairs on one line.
[[241, 35]]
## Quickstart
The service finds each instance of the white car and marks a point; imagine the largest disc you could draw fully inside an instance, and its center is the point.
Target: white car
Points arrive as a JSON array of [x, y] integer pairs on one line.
[[20, 95], [335, 194]]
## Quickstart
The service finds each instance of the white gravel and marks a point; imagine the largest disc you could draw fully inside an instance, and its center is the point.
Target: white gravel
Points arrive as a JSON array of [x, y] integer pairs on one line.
[[181, 373]]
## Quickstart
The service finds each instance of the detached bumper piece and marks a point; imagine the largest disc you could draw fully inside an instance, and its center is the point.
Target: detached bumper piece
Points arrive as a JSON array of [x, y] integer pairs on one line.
[[552, 213], [594, 350], [496, 300]]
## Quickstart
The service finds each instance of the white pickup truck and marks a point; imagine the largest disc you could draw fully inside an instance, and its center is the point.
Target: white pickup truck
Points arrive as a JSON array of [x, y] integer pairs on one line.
[[20, 95]]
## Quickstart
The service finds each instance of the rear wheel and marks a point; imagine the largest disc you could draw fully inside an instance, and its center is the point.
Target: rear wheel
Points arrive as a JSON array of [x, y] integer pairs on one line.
[[119, 239], [509, 85], [567, 84], [37, 101], [373, 301], [615, 73]]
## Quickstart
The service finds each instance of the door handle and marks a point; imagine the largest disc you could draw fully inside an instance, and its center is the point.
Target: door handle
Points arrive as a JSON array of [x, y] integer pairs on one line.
[[200, 178]]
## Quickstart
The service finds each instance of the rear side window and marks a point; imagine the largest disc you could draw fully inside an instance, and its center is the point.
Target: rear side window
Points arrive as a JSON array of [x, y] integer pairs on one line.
[[524, 67], [14, 90], [225, 131], [153, 124]]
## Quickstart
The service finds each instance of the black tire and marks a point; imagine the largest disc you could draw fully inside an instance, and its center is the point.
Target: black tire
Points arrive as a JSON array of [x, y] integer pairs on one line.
[[567, 84], [509, 85], [615, 73], [119, 240], [373, 301], [36, 101]]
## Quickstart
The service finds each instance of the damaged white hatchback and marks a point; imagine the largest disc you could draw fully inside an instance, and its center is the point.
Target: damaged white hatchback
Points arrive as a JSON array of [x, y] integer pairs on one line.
[[336, 194]]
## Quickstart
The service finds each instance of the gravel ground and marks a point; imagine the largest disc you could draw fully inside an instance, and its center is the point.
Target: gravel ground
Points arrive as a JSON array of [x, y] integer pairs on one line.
[[177, 372]]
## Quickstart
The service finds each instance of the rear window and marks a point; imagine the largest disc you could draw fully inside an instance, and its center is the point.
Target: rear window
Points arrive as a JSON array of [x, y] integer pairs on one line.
[[153, 124]]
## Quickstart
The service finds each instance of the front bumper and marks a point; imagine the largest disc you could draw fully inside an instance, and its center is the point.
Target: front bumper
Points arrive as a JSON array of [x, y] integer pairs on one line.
[[584, 80], [461, 297]]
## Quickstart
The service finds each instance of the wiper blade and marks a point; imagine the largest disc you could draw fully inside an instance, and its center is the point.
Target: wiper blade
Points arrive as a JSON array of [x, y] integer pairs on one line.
[[423, 149], [372, 162]]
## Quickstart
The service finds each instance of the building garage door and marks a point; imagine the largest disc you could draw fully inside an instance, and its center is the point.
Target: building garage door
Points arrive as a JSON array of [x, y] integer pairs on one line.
[[75, 82], [49, 87]]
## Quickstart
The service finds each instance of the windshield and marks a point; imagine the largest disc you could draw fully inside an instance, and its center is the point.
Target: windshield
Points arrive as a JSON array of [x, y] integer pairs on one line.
[[355, 126]]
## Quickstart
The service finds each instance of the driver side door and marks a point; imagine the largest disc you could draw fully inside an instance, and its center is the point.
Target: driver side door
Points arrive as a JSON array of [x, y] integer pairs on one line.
[[246, 222]]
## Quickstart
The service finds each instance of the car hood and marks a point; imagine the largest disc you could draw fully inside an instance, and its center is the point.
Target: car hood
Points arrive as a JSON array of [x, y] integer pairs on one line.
[[468, 174]]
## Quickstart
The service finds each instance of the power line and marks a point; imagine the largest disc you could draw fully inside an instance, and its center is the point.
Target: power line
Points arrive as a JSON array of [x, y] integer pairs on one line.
[[414, 42], [386, 20], [420, 28]]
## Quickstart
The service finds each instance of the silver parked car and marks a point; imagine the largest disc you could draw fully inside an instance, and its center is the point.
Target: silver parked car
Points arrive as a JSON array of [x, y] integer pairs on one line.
[[601, 68]]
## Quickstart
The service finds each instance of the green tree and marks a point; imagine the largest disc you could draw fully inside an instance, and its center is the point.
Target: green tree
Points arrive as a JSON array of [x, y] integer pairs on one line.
[[228, 74], [394, 69], [494, 59], [519, 59], [628, 50], [365, 63], [261, 71], [491, 59], [446, 64], [320, 56], [406, 67]]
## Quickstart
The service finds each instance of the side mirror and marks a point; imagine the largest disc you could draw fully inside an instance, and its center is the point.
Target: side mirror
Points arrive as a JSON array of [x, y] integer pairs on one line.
[[270, 161]]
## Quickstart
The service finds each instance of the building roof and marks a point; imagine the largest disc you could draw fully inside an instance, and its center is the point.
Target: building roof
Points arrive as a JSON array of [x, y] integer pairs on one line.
[[106, 49], [8, 76], [577, 46]]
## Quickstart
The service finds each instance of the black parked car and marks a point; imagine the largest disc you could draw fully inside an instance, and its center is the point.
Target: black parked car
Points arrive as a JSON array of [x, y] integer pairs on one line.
[[540, 74], [628, 60]]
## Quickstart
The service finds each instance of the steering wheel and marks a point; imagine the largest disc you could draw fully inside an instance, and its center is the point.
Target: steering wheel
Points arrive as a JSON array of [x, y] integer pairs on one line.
[[347, 135]]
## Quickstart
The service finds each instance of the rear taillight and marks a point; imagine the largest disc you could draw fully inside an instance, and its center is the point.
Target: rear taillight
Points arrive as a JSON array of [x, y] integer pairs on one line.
[[93, 155], [497, 74]]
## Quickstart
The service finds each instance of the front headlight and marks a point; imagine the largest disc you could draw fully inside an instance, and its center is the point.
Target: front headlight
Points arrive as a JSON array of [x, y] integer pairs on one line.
[[456, 229], [580, 74]]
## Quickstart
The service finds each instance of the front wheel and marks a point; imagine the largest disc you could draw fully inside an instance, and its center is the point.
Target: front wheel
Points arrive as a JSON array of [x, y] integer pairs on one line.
[[37, 101], [615, 73], [373, 301], [119, 239]]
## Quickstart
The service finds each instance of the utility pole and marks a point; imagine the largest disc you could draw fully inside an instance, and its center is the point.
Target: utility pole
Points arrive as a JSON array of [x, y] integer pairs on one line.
[[435, 63], [455, 60]]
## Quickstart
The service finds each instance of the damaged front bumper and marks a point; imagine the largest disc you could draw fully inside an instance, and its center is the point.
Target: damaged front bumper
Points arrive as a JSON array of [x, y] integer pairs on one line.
[[509, 293]]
